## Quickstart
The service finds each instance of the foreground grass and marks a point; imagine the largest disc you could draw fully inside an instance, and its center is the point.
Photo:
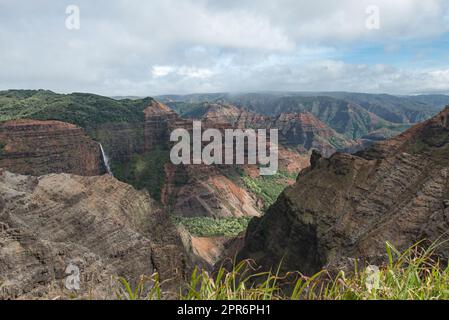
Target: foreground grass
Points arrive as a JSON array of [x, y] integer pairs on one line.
[[410, 275]]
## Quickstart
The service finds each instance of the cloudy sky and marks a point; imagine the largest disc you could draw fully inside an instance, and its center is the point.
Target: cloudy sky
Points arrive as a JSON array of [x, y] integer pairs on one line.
[[150, 47]]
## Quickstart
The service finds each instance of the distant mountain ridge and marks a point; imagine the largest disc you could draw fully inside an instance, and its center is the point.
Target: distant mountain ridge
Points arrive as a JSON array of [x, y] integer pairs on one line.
[[352, 114]]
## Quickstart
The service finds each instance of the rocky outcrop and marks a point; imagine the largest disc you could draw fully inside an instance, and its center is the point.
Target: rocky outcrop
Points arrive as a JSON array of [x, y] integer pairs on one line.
[[102, 226], [41, 147], [237, 118], [298, 130], [348, 206], [209, 248], [209, 192], [305, 132], [158, 118]]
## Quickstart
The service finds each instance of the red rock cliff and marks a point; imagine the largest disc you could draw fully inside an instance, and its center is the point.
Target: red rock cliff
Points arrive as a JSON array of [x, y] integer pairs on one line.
[[41, 147]]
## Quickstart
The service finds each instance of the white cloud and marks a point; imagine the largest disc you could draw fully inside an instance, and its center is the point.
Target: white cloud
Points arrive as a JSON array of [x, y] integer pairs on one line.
[[161, 71], [345, 20], [189, 72], [161, 46], [192, 72], [318, 75]]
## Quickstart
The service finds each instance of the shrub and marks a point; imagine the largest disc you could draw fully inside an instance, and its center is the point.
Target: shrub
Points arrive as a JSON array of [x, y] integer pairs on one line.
[[268, 188], [211, 227]]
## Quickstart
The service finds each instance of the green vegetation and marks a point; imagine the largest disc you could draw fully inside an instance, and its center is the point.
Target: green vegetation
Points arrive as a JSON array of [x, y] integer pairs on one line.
[[268, 188], [144, 171], [210, 227], [409, 275], [83, 109], [188, 110]]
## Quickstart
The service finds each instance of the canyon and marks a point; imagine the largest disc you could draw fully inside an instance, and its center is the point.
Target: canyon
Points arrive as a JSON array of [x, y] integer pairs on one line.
[[343, 209], [301, 131], [202, 190], [59, 205]]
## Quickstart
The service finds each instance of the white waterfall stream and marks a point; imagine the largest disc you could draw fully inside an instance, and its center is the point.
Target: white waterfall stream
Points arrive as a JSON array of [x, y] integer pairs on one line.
[[105, 160]]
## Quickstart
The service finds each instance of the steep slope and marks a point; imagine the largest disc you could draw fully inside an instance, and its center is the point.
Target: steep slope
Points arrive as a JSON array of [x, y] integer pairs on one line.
[[344, 117], [40, 147], [211, 192], [431, 101], [215, 113], [353, 115], [404, 109], [297, 130], [348, 206], [158, 118], [104, 227], [305, 132]]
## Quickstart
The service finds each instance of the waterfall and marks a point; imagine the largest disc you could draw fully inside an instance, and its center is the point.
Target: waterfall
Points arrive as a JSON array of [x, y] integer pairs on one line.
[[105, 160]]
